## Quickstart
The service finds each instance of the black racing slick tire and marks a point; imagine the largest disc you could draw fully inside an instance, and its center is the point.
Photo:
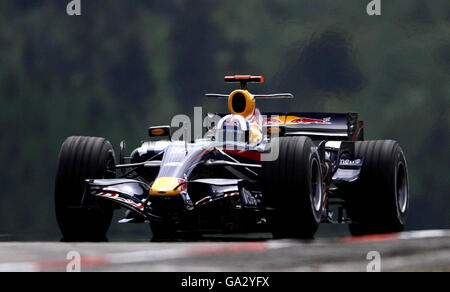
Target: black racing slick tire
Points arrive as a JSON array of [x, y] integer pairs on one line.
[[292, 187], [378, 201], [82, 158]]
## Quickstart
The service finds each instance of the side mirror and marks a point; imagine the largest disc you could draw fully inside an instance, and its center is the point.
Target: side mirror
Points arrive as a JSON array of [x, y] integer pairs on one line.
[[159, 131]]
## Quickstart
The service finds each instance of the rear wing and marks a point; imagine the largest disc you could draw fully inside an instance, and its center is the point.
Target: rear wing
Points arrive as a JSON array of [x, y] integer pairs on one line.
[[243, 80], [318, 126], [257, 96]]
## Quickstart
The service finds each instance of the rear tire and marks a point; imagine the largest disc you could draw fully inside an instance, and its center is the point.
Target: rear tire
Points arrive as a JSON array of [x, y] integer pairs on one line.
[[292, 185], [378, 202], [82, 158]]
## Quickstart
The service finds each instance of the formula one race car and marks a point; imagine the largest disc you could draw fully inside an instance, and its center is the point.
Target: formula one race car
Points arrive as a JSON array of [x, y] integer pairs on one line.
[[283, 173]]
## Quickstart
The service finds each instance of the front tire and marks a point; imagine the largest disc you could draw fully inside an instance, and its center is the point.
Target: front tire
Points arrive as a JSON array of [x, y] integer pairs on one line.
[[292, 185], [82, 158], [378, 202]]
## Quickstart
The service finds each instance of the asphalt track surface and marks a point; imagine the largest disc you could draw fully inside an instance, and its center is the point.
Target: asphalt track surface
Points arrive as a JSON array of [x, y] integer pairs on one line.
[[408, 251]]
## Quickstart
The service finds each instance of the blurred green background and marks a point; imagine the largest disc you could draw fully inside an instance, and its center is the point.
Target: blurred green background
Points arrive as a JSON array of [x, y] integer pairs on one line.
[[125, 65]]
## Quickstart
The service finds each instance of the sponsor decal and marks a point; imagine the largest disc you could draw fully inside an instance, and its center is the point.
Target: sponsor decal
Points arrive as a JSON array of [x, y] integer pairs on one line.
[[293, 120], [350, 162], [117, 197], [307, 121]]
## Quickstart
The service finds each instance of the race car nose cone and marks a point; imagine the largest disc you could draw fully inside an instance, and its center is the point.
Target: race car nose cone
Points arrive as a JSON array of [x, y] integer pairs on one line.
[[167, 186]]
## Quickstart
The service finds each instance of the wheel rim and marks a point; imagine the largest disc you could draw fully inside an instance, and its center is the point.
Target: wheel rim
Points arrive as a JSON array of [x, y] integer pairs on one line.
[[316, 190], [402, 188]]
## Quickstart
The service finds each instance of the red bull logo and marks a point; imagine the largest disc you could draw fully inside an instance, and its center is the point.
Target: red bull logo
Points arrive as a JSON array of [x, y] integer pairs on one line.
[[307, 121], [293, 120]]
